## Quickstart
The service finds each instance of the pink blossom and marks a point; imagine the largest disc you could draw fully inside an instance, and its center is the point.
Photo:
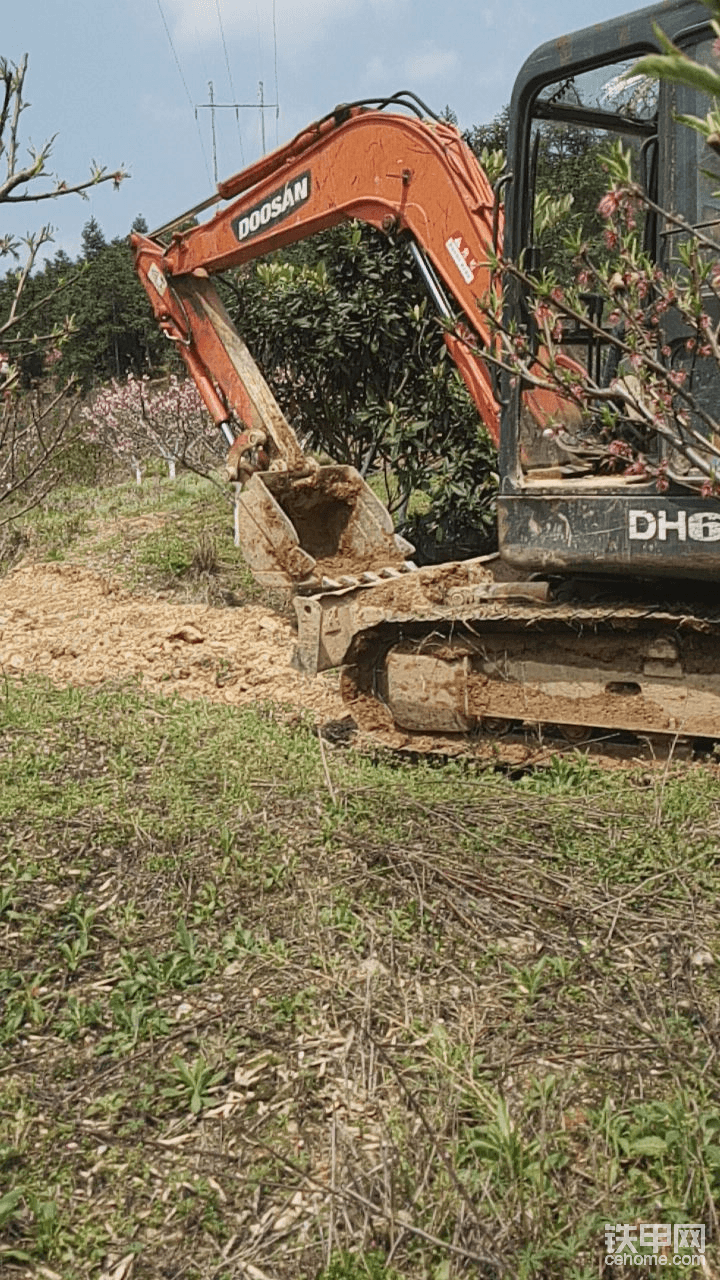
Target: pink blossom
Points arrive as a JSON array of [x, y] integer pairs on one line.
[[619, 449], [609, 204], [135, 419]]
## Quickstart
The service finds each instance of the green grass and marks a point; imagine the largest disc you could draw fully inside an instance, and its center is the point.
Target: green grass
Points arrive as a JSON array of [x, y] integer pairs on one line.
[[335, 1017], [429, 1022], [171, 536]]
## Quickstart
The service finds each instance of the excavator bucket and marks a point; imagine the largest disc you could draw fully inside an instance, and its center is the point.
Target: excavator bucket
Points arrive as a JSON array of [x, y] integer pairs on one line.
[[323, 529], [297, 523]]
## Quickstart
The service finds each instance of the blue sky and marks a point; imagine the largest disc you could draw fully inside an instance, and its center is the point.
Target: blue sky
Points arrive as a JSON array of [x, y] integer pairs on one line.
[[118, 82]]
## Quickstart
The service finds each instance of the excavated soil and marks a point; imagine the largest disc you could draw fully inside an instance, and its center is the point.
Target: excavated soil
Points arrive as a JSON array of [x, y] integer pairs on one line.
[[334, 524], [79, 627]]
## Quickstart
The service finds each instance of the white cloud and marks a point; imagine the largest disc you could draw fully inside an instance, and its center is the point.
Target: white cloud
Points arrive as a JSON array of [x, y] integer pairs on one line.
[[429, 63], [198, 21]]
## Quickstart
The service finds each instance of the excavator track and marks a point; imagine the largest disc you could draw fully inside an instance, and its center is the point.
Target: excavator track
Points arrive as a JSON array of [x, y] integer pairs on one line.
[[450, 658]]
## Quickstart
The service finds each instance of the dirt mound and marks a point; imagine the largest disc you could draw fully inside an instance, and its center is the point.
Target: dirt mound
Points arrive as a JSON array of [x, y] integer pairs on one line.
[[79, 627]]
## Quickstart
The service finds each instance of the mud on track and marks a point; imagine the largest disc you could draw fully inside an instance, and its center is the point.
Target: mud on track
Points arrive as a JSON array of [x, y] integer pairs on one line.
[[76, 626]]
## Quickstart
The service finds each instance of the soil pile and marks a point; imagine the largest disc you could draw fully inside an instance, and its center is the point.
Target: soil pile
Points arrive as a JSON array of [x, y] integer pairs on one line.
[[79, 627]]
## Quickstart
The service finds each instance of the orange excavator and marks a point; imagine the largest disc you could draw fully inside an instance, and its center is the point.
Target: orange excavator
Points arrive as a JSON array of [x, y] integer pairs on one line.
[[594, 617], [301, 523]]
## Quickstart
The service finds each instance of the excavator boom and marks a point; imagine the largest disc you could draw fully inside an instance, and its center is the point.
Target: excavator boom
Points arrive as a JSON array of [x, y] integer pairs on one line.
[[394, 172], [300, 524]]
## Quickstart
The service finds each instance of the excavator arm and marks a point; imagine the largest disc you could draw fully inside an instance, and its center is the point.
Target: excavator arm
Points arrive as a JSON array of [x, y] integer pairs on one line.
[[395, 172]]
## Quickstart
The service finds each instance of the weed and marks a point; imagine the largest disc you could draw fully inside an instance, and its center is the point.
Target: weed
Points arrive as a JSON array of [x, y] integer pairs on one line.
[[361, 1266], [532, 978], [133, 1020], [290, 1007], [191, 1083], [25, 998], [74, 946], [78, 1016], [566, 774], [343, 918], [14, 542], [204, 559], [239, 940]]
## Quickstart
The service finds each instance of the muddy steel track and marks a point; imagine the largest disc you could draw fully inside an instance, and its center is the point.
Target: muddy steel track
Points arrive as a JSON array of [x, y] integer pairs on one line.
[[581, 669]]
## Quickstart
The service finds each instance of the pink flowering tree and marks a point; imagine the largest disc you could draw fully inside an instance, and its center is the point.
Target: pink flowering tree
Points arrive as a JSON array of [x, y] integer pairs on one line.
[[180, 428], [115, 421], [646, 412], [138, 419]]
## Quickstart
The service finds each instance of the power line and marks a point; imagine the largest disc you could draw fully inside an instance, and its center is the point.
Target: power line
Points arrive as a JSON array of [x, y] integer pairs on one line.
[[277, 95], [212, 106], [230, 79], [184, 82]]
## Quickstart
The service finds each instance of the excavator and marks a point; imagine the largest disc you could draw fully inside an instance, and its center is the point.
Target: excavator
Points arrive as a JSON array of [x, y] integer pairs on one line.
[[597, 617]]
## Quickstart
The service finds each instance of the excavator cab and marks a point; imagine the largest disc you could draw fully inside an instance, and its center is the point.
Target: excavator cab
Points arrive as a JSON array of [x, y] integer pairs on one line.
[[567, 505]]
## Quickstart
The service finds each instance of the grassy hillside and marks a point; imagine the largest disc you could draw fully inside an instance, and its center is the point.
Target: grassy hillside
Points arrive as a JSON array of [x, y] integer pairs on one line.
[[270, 1007]]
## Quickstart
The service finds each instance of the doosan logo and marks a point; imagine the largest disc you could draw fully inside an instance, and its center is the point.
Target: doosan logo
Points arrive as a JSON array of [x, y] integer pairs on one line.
[[699, 526], [274, 208]]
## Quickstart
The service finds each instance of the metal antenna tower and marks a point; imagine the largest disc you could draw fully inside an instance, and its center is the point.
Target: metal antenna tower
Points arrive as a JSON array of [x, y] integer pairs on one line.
[[212, 106]]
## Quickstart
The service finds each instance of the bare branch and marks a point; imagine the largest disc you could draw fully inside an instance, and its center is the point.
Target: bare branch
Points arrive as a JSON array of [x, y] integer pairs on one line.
[[34, 244], [15, 76], [33, 428], [62, 188]]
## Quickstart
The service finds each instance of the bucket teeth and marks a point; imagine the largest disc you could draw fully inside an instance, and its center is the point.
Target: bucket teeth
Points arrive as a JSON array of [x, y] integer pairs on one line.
[[346, 581]]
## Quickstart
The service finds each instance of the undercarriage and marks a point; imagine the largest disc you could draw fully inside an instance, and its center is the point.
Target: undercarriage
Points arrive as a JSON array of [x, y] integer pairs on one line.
[[450, 653]]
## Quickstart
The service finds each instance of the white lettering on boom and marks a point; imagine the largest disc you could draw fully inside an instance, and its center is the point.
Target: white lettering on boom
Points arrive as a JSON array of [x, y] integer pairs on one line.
[[274, 208]]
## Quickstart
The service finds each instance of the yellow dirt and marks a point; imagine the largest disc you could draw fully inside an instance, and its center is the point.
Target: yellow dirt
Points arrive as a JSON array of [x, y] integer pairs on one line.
[[80, 627]]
